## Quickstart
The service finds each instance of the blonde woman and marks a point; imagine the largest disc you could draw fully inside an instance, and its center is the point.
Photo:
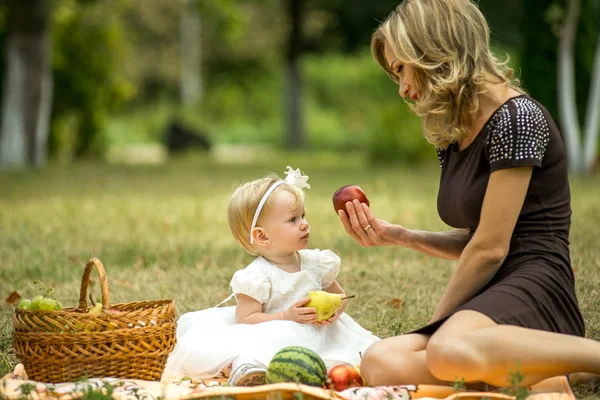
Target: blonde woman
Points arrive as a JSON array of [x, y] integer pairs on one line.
[[510, 302]]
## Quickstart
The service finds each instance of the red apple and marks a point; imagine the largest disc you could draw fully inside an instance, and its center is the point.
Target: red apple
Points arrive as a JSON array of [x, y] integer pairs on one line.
[[348, 193], [344, 376]]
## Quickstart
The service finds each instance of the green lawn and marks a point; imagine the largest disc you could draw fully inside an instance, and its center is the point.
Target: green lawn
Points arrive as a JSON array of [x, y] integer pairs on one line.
[[162, 232]]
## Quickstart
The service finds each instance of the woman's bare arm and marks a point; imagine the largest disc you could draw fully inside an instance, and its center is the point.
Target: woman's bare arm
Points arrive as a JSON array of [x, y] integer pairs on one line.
[[448, 245]]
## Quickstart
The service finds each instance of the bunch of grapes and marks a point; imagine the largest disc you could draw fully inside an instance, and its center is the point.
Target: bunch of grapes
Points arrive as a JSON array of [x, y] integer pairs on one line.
[[49, 302]]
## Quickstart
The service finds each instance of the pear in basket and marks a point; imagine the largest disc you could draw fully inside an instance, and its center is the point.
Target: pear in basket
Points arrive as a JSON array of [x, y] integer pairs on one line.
[[95, 309]]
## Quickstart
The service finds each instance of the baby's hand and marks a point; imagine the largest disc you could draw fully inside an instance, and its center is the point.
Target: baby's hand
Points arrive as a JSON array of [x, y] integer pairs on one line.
[[329, 321], [299, 314]]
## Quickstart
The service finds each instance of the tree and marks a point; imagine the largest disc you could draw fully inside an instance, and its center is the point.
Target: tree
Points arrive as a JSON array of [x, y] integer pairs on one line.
[[293, 77], [581, 160], [27, 97], [538, 54], [88, 49], [190, 80]]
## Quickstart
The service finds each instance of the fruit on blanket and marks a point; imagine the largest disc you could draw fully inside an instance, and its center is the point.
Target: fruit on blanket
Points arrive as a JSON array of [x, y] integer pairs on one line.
[[348, 193], [325, 303], [298, 365], [343, 376]]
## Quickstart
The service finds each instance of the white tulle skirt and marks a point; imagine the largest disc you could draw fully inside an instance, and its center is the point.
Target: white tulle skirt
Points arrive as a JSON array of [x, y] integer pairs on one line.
[[208, 340]]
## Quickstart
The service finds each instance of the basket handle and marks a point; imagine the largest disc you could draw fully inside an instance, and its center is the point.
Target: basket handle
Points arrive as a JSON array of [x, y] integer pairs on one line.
[[93, 262]]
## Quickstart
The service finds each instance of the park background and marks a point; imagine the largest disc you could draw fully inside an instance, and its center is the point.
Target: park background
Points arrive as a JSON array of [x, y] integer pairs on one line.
[[157, 109]]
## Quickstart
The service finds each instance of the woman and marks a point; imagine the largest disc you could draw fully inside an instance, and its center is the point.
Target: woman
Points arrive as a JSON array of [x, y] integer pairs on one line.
[[510, 302]]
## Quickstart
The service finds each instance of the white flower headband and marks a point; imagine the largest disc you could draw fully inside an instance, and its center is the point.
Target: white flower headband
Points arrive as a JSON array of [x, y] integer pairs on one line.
[[294, 177]]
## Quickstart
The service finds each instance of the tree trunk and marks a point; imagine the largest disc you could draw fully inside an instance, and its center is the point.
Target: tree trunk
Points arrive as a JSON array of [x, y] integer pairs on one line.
[[592, 115], [539, 45], [293, 77], [27, 97], [566, 86], [190, 53]]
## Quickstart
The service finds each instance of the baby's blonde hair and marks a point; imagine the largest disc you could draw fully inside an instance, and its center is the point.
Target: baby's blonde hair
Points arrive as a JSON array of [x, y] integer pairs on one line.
[[244, 202], [447, 42]]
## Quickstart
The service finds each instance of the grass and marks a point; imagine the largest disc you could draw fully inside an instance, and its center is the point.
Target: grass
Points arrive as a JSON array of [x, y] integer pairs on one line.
[[161, 232]]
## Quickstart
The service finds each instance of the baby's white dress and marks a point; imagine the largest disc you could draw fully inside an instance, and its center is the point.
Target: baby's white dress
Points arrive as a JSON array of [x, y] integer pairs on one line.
[[208, 340]]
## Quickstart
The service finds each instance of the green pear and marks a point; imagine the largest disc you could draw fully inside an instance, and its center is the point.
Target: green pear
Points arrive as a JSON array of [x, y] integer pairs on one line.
[[325, 303], [95, 309]]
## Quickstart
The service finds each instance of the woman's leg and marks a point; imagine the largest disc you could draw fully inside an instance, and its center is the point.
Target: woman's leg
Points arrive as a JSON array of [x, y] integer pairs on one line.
[[490, 352], [396, 361], [401, 360]]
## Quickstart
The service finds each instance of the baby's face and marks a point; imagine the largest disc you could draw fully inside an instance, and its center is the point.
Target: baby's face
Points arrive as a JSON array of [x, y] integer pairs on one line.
[[285, 224]]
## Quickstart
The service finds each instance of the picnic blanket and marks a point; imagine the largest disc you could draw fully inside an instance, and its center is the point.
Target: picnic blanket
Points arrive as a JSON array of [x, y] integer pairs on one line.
[[13, 386]]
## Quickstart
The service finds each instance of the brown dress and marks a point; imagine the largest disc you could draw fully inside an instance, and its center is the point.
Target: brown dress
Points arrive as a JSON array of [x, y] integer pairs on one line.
[[534, 287]]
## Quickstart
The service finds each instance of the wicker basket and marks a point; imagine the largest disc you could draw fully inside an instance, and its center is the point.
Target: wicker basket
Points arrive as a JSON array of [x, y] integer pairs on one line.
[[127, 340]]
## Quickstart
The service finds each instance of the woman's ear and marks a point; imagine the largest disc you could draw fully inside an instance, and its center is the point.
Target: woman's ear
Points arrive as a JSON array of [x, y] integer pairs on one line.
[[260, 237]]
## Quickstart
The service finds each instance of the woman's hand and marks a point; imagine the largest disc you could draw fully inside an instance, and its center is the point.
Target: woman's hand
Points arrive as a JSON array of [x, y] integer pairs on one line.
[[368, 231], [299, 314]]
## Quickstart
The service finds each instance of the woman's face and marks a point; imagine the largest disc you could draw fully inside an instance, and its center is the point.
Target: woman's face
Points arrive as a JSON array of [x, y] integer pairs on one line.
[[404, 73]]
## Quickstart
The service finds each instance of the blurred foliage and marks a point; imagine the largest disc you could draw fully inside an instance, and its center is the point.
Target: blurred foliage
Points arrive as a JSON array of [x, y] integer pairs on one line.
[[343, 25], [585, 46], [150, 39], [3, 37], [541, 26], [117, 66], [240, 40], [539, 54], [240, 37], [87, 81], [341, 112], [345, 113], [243, 43]]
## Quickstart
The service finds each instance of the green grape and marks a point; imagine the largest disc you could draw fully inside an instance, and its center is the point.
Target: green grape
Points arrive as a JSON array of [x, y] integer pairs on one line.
[[25, 304], [35, 302], [47, 304]]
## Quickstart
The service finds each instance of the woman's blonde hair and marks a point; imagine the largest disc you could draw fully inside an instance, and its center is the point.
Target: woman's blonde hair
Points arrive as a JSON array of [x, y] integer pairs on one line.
[[447, 42], [244, 202]]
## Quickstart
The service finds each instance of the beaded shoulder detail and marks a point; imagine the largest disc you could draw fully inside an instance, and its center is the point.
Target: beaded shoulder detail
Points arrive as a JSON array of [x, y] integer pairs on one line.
[[521, 136]]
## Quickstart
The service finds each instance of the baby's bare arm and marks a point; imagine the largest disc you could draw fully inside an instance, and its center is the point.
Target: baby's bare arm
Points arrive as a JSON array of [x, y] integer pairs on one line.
[[249, 311]]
